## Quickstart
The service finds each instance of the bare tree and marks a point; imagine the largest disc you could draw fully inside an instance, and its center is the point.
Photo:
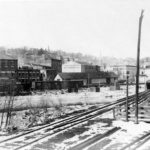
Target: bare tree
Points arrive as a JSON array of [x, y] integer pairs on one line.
[[10, 104]]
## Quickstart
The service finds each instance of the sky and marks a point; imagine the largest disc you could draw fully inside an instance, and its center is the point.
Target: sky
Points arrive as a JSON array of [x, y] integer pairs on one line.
[[95, 27]]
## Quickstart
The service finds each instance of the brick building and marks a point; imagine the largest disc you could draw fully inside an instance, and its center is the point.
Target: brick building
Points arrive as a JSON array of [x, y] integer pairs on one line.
[[42, 62], [56, 64], [8, 66], [27, 76], [50, 70]]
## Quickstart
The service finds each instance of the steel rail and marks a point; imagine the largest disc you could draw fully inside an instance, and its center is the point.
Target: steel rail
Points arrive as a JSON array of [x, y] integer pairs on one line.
[[137, 142], [67, 119], [84, 117], [75, 122]]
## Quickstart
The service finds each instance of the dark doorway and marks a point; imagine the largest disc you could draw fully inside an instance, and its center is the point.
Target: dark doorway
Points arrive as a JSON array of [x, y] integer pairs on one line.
[[108, 80], [148, 84]]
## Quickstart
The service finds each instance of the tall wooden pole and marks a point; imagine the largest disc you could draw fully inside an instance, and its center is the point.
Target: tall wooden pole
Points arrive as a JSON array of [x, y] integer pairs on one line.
[[127, 89], [137, 68]]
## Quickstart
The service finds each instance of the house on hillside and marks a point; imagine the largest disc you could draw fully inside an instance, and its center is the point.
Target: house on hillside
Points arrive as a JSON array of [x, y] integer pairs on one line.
[[88, 79], [81, 67]]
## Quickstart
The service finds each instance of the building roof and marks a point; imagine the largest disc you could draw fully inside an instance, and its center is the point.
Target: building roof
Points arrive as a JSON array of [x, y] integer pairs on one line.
[[78, 62], [143, 75], [83, 63], [41, 65], [8, 57], [96, 75], [123, 66]]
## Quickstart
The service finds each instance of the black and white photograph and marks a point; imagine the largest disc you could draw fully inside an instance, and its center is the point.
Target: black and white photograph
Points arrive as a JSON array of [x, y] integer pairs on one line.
[[74, 75]]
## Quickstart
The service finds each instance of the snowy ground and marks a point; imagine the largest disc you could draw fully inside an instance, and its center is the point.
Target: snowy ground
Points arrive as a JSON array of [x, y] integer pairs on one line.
[[129, 132], [51, 98], [68, 139], [78, 101], [66, 103]]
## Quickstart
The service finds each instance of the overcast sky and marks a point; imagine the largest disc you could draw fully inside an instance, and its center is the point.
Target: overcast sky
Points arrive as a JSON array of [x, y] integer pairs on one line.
[[97, 27]]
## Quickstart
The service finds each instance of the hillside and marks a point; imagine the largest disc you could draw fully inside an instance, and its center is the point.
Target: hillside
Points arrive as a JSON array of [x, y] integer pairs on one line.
[[33, 54]]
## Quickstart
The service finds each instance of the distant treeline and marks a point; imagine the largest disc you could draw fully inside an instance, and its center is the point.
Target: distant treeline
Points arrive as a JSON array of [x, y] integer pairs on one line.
[[103, 61]]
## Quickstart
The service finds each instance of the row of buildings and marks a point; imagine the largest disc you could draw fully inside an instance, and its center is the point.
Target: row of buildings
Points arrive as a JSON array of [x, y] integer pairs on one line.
[[130, 70], [52, 74]]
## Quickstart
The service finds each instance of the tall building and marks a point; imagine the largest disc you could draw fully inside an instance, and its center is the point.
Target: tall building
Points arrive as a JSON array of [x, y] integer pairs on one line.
[[56, 65], [8, 66]]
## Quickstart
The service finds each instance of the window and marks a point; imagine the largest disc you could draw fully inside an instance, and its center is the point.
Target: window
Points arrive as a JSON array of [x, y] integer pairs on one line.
[[5, 64], [12, 64]]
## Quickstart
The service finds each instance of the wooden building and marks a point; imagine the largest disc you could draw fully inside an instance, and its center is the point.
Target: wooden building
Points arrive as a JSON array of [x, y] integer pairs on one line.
[[88, 79]]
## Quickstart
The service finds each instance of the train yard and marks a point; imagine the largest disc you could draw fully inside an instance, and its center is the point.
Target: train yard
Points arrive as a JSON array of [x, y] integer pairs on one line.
[[29, 139]]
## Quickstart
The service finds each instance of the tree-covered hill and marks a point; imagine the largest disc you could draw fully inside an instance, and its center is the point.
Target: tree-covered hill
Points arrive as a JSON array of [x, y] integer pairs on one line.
[[35, 53]]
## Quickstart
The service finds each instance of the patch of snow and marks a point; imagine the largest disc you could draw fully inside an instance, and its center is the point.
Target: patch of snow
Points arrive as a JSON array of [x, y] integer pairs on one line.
[[132, 128]]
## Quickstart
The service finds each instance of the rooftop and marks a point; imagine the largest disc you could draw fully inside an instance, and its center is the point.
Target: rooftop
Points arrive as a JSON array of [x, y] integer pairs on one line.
[[83, 63], [123, 66], [8, 57], [97, 75], [79, 62], [41, 64]]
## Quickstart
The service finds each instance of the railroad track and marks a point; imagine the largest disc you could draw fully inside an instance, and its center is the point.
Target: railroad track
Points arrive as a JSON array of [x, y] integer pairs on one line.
[[138, 142], [132, 107], [93, 140], [134, 143], [50, 130]]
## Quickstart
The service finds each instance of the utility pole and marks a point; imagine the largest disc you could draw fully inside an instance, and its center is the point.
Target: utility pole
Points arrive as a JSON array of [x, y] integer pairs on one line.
[[88, 80], [127, 89], [100, 65], [137, 68]]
